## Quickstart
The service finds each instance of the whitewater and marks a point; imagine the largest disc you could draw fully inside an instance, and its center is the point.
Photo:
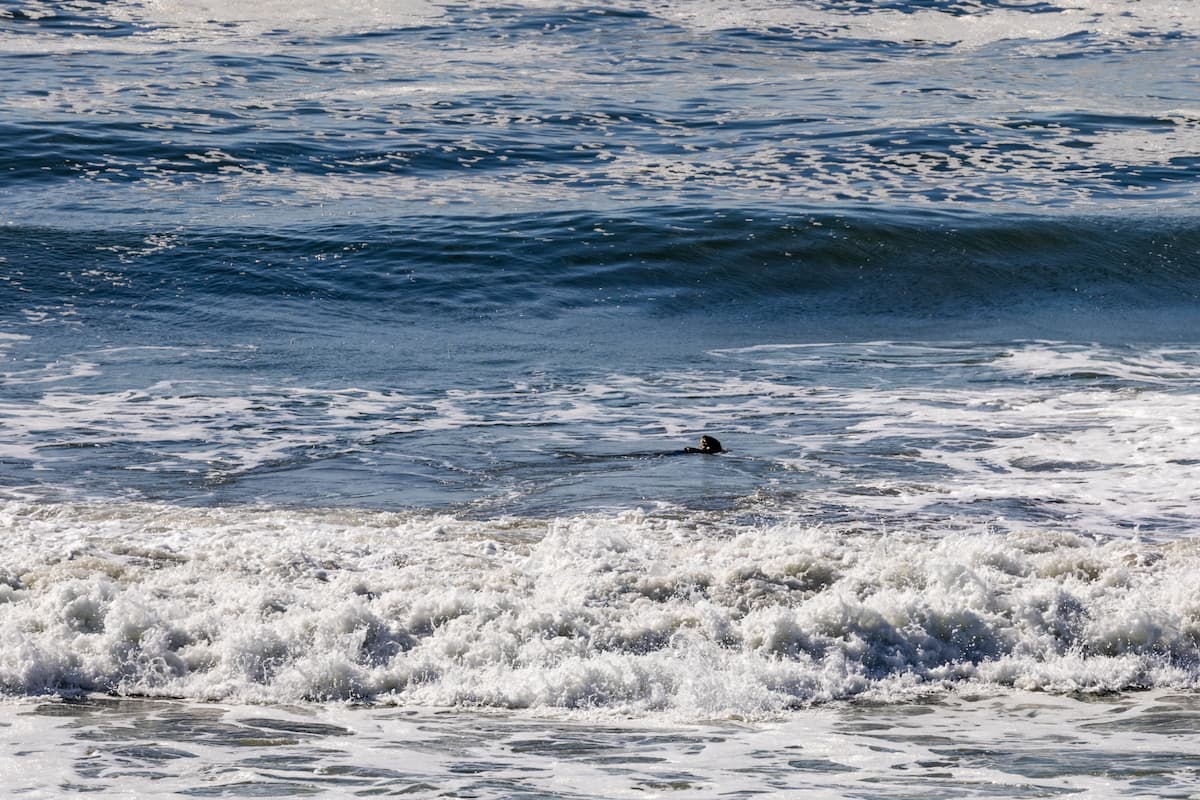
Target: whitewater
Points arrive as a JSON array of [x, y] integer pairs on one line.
[[349, 352]]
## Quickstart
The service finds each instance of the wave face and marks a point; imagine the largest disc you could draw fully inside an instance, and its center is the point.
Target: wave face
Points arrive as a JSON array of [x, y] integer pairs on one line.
[[662, 262], [682, 615]]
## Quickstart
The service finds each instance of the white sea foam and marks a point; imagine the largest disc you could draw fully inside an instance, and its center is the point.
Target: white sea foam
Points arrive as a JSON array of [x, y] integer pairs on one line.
[[322, 18], [197, 21], [1102, 439], [1113, 19], [1087, 439], [686, 616]]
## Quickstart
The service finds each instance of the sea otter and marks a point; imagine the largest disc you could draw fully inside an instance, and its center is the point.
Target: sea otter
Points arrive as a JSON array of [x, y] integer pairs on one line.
[[708, 445]]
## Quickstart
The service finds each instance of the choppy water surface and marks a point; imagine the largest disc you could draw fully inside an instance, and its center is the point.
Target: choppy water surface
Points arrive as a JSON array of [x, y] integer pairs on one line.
[[217, 113], [347, 352], [1019, 746]]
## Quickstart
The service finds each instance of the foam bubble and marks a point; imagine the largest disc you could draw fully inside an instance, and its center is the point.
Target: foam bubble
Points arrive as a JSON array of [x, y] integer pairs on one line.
[[633, 614]]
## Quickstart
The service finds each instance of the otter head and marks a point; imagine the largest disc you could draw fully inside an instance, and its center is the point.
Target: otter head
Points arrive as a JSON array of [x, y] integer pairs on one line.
[[709, 444]]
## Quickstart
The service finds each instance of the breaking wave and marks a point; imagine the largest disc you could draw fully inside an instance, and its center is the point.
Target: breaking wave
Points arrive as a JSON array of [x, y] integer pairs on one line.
[[688, 615]]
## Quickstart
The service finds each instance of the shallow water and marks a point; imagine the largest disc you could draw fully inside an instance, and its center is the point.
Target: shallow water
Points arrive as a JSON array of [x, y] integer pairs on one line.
[[1022, 745]]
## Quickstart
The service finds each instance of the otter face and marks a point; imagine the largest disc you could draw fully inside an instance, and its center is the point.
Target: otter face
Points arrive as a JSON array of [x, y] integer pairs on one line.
[[708, 444]]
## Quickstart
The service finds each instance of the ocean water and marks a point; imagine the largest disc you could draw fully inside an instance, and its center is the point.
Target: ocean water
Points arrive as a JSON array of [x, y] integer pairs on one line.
[[348, 352]]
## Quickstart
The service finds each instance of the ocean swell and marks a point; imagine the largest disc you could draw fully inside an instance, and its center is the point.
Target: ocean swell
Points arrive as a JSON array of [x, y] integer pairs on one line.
[[666, 262]]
